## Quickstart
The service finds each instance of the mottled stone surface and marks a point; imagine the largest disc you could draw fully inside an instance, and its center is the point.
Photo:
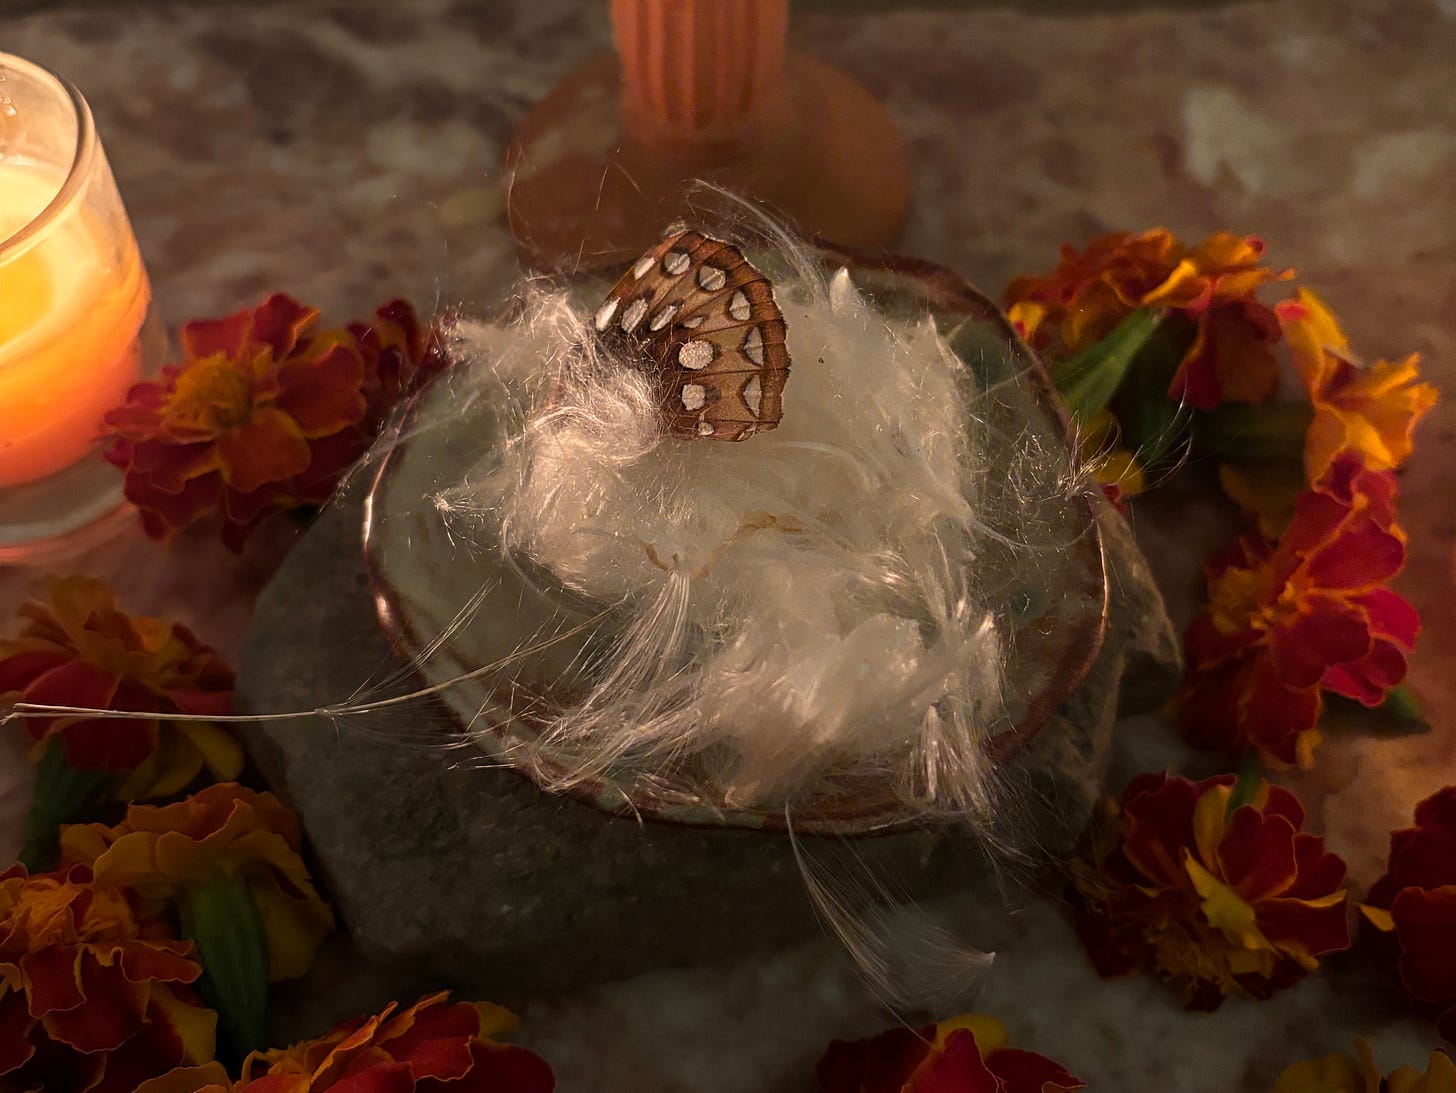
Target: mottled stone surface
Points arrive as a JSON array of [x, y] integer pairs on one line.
[[474, 877], [349, 151]]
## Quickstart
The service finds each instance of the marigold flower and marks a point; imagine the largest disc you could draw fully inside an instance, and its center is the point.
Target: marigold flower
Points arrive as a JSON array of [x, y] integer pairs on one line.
[[158, 851], [1213, 899], [1411, 910], [401, 354], [90, 998], [1287, 621], [77, 648], [1116, 469], [263, 416], [1371, 410], [207, 1078], [963, 1055], [1340, 1073], [433, 1044], [1211, 286]]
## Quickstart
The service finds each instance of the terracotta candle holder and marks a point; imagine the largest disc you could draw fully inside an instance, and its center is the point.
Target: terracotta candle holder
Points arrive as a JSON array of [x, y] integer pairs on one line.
[[700, 89]]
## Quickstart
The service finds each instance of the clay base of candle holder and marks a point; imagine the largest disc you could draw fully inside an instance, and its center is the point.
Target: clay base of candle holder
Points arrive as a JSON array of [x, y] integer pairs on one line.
[[582, 195]]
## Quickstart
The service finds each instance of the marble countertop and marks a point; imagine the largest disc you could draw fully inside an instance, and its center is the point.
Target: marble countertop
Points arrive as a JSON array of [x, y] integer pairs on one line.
[[349, 152]]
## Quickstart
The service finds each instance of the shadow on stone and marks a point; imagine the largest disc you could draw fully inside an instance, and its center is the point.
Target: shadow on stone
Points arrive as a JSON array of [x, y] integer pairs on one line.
[[447, 874]]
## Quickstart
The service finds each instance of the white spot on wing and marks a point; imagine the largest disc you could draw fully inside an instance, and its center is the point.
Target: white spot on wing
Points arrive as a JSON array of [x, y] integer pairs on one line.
[[693, 323], [694, 396], [695, 355], [633, 315], [644, 264], [738, 307], [711, 278], [603, 317], [663, 317], [705, 428], [753, 346], [753, 395], [675, 263]]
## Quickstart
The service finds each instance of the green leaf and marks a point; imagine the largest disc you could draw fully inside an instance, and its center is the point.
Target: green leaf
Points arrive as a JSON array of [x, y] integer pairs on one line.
[[221, 917], [1401, 705], [1254, 434], [1400, 713], [1089, 380], [1155, 426], [63, 794]]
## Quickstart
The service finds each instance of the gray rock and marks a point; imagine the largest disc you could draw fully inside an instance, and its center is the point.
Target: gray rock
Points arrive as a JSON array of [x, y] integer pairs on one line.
[[447, 873]]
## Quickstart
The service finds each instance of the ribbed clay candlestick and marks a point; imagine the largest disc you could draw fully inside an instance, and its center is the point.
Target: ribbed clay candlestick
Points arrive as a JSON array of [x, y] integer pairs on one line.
[[700, 89], [701, 78]]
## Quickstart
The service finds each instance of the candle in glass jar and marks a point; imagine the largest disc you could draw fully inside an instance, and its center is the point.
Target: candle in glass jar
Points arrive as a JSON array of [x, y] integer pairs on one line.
[[73, 297]]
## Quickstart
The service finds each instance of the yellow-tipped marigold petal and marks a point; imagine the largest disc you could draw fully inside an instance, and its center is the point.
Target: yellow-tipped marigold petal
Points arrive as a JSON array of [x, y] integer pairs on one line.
[[990, 1033], [1440, 1077], [294, 928], [1336, 1073], [1378, 917], [494, 1019], [208, 1078]]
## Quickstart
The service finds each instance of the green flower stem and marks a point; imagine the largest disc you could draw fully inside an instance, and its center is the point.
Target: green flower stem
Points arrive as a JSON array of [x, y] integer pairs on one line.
[[221, 917], [1250, 774], [62, 795], [1088, 380], [1255, 434]]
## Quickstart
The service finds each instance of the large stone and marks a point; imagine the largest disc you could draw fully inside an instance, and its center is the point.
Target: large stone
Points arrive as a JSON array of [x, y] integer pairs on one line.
[[448, 872]]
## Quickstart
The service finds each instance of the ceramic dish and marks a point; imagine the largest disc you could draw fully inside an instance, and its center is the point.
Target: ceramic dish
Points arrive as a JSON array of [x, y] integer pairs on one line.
[[1052, 604]]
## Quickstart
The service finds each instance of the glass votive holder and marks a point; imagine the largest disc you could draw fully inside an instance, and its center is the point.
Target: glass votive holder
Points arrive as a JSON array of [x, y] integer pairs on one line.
[[74, 303]]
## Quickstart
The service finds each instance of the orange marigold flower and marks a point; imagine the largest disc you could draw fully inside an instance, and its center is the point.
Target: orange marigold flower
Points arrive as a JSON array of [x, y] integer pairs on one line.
[[1211, 286], [1287, 621], [401, 354], [1370, 410], [963, 1055], [226, 828], [1342, 1073], [263, 416], [90, 998], [77, 648], [1213, 899], [433, 1044], [1410, 912]]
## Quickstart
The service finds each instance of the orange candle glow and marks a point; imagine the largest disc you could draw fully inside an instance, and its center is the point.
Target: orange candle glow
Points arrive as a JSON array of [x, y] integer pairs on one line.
[[71, 310], [74, 329]]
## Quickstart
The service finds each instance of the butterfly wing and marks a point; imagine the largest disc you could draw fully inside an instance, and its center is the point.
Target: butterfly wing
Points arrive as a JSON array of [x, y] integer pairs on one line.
[[708, 331]]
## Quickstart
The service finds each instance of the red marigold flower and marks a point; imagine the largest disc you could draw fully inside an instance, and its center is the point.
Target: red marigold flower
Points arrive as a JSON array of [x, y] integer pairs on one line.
[[263, 416], [433, 1044], [1211, 286], [401, 354], [77, 648], [1371, 410], [963, 1055], [1287, 621], [90, 998], [1212, 899], [1412, 908]]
